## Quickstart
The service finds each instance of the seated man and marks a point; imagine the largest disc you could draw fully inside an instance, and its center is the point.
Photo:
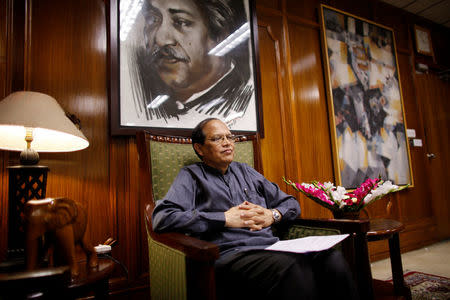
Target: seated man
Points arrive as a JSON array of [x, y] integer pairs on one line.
[[230, 204]]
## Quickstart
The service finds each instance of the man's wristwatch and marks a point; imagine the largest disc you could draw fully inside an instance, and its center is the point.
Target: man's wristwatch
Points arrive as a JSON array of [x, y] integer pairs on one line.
[[276, 215]]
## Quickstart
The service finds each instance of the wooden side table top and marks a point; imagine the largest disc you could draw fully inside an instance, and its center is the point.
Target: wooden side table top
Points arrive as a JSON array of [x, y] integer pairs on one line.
[[55, 280], [381, 229], [90, 276]]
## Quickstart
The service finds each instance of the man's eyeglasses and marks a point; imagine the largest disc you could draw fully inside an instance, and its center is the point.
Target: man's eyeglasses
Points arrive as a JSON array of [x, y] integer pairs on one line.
[[220, 139]]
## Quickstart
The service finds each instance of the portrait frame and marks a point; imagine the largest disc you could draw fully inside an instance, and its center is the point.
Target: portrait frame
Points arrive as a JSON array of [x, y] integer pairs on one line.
[[115, 64], [366, 110]]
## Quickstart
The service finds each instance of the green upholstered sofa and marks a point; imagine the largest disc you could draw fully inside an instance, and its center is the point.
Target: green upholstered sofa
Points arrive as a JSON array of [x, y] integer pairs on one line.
[[182, 267]]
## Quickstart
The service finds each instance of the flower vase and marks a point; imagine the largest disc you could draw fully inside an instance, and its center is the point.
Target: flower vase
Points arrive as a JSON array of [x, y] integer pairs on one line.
[[351, 215]]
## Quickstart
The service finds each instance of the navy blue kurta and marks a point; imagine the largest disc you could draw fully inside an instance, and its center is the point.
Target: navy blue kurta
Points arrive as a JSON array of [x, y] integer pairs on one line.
[[198, 198]]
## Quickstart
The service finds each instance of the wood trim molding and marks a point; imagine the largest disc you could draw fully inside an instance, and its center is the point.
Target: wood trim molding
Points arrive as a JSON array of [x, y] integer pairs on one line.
[[404, 51], [27, 44], [282, 103], [268, 11], [8, 48], [302, 21]]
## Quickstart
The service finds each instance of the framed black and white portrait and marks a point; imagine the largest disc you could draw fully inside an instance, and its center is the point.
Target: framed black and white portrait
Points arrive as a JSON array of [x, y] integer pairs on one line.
[[174, 63]]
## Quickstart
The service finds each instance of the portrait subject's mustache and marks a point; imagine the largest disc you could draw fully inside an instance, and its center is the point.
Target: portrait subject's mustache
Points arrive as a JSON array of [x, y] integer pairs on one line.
[[168, 52]]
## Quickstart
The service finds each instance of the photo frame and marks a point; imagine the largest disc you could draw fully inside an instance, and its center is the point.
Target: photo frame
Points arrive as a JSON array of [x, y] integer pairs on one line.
[[171, 68], [422, 37], [367, 116]]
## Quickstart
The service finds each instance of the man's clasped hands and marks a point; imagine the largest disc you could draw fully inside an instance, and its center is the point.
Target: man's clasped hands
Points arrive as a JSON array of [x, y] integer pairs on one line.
[[248, 215]]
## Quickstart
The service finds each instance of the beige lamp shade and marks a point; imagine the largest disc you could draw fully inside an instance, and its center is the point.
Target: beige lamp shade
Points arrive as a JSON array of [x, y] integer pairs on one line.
[[51, 129]]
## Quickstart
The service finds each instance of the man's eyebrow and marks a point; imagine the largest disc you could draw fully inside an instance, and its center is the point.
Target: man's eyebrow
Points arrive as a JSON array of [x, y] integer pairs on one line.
[[174, 11]]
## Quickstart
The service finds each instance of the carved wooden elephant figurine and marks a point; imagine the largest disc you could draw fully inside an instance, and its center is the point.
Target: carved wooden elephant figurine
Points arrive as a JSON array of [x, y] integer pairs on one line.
[[63, 221]]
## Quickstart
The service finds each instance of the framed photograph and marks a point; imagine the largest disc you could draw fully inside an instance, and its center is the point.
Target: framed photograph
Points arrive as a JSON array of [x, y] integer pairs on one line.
[[422, 36], [367, 116], [174, 63]]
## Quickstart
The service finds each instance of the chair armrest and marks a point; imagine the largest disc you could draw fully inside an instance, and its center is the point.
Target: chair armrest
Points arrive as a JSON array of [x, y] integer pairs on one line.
[[343, 225], [193, 248]]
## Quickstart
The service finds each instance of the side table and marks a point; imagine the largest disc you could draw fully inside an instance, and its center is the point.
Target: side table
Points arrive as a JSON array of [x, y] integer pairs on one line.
[[92, 279], [381, 229], [45, 283]]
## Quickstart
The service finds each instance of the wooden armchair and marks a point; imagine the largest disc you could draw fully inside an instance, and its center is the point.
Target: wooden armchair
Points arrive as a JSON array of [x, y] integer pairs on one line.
[[182, 267]]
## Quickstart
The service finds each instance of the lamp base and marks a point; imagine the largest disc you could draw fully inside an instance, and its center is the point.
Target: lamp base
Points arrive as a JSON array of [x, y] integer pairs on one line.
[[25, 183], [29, 157]]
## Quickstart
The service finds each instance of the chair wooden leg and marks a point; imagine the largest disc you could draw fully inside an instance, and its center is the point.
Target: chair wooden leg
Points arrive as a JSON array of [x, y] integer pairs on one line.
[[400, 287]]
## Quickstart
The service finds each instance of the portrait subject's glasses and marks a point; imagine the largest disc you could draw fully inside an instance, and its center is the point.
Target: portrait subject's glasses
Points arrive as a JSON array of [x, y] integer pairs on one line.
[[220, 139]]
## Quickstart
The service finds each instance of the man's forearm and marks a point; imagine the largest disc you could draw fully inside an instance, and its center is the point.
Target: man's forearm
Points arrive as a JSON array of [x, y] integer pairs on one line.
[[193, 221]]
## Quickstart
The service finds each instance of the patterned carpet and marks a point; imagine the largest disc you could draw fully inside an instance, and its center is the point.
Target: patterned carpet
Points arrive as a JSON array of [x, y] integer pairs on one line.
[[428, 287]]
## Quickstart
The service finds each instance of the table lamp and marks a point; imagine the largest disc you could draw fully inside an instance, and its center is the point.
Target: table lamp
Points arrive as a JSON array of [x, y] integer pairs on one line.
[[31, 122]]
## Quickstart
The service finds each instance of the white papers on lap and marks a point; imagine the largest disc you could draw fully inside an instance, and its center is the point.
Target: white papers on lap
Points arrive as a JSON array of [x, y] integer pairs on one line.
[[308, 244]]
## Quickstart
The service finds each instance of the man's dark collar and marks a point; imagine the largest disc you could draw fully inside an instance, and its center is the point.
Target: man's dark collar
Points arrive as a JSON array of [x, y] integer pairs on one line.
[[214, 170]]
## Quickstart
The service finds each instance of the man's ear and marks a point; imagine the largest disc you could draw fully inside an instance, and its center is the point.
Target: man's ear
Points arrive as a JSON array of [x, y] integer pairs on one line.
[[198, 148]]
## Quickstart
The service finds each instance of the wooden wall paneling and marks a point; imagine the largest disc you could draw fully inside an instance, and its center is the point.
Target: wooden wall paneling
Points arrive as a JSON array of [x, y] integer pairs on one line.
[[275, 146], [7, 69], [2, 81], [67, 61], [3, 207], [3, 31], [4, 20], [441, 44], [407, 206], [413, 210], [386, 207], [394, 18], [433, 94], [403, 208], [118, 183], [416, 235], [27, 44], [141, 259], [415, 205], [16, 46], [269, 4], [361, 9], [129, 229], [6, 45], [310, 117], [120, 180], [307, 10]]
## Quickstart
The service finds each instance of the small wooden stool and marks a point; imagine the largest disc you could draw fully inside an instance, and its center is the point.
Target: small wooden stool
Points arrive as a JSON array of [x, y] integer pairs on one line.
[[381, 229]]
